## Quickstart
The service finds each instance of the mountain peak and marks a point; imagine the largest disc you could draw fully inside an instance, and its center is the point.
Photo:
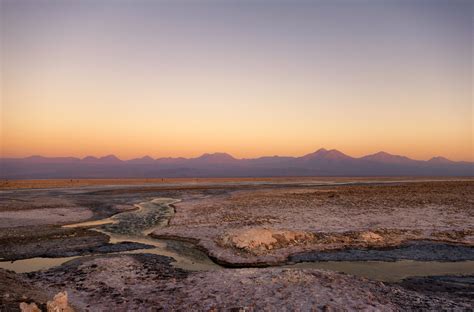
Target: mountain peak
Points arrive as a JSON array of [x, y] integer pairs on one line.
[[216, 157], [323, 153], [90, 158], [440, 160], [110, 158], [387, 158], [382, 154], [142, 160], [103, 159], [146, 158]]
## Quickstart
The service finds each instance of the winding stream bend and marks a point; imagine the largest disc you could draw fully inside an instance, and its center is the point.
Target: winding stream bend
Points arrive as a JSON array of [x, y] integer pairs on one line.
[[131, 226], [135, 226]]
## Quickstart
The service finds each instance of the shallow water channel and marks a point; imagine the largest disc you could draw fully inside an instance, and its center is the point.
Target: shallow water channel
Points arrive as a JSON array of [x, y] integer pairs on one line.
[[134, 226]]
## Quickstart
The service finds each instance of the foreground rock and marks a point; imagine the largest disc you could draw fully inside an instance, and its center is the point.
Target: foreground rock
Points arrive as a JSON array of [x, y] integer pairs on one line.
[[16, 289], [29, 307], [144, 281], [59, 303]]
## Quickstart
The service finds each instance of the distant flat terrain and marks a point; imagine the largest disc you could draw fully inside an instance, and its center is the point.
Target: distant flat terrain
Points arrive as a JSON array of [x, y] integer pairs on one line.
[[71, 183]]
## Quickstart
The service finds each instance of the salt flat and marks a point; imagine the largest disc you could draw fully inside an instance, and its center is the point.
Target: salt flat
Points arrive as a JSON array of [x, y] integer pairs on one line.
[[181, 240]]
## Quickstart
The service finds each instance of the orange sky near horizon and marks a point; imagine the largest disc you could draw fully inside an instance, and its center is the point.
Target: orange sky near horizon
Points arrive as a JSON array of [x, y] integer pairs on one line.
[[162, 79]]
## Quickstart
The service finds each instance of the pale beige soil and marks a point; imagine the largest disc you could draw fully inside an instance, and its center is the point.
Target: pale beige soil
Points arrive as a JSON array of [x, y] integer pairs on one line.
[[259, 226], [18, 210], [44, 216]]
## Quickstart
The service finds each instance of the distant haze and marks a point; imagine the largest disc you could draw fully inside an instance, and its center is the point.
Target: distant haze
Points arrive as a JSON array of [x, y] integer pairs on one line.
[[252, 78], [322, 162]]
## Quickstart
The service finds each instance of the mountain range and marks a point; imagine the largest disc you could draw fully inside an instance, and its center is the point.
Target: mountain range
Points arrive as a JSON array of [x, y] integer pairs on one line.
[[322, 162]]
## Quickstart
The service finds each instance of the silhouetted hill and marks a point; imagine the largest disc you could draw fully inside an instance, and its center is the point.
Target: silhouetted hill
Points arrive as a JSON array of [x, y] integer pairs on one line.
[[324, 154], [214, 158], [320, 163], [145, 160], [440, 160], [387, 158]]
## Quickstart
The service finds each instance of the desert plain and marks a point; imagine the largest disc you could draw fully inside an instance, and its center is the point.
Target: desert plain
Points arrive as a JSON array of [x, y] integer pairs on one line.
[[296, 244]]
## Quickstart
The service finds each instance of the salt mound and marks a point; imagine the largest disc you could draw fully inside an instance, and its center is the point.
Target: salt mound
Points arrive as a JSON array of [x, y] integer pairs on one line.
[[370, 237], [265, 239]]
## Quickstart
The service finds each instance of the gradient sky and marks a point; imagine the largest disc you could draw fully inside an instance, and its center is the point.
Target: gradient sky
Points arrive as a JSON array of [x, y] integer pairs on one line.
[[251, 78]]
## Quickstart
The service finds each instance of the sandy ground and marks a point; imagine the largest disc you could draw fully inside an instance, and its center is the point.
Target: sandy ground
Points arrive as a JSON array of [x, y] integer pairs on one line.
[[326, 218]]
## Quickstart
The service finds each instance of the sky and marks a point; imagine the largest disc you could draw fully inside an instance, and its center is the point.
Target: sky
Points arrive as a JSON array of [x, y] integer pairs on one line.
[[250, 78]]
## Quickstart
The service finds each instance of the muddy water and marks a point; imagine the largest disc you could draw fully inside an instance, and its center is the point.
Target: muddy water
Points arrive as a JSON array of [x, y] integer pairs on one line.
[[134, 226], [33, 264], [185, 255]]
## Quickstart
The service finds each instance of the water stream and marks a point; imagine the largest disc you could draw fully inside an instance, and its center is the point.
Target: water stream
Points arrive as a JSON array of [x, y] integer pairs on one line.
[[136, 225]]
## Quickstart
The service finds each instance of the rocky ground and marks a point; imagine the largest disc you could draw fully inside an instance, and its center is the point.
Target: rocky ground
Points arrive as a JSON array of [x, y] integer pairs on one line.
[[54, 242], [143, 281], [240, 225], [417, 250], [267, 226]]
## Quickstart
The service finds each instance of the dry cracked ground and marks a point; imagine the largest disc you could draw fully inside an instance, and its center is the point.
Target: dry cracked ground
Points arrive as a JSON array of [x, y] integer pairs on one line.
[[239, 227]]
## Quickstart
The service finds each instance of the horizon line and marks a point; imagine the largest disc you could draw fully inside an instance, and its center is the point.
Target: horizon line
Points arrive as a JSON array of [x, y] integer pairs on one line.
[[321, 150]]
